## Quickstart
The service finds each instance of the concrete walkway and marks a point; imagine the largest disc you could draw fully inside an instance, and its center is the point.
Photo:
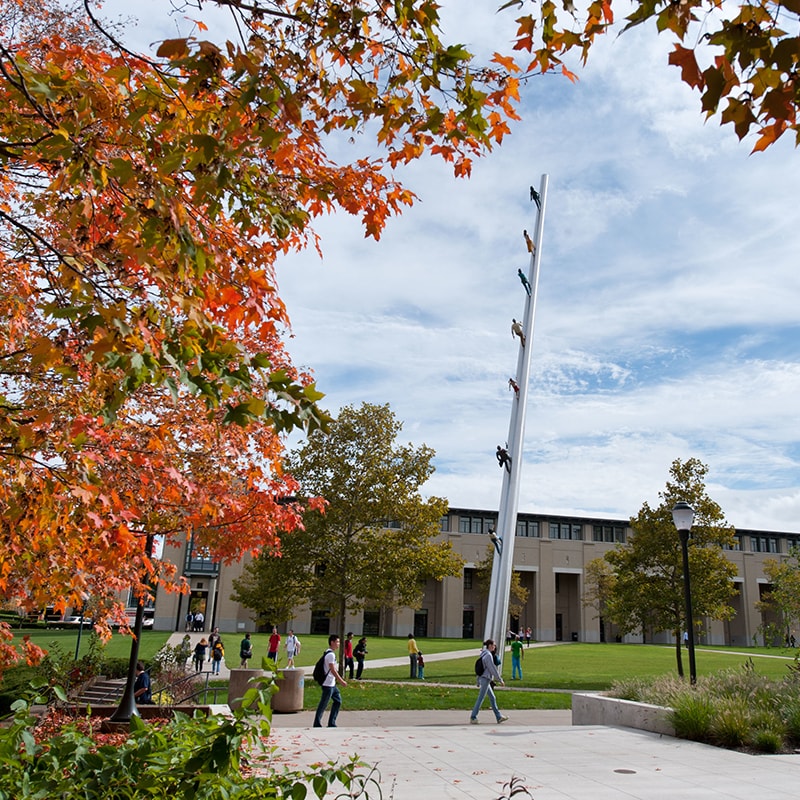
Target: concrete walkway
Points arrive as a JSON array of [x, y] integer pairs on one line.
[[437, 754]]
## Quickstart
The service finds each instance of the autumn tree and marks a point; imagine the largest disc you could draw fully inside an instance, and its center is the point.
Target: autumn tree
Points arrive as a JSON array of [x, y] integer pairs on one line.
[[517, 593], [599, 585], [782, 601], [743, 57], [647, 590], [144, 201], [376, 543]]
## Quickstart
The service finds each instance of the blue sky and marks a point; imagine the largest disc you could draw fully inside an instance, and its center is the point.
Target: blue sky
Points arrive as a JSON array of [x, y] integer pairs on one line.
[[667, 321]]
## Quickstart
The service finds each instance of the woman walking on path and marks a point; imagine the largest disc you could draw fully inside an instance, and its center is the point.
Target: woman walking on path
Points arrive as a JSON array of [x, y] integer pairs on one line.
[[485, 680]]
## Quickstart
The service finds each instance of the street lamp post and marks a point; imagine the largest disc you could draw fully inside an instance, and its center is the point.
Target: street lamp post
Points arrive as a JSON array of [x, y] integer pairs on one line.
[[683, 517]]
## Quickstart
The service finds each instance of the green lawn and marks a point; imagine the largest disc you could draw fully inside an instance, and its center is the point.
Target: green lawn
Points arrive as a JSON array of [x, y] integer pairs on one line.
[[312, 647], [118, 646], [593, 667]]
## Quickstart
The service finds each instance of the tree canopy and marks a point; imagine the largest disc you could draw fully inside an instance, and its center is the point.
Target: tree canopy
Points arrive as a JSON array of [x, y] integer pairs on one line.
[[376, 542], [144, 199], [782, 597], [743, 57], [645, 591]]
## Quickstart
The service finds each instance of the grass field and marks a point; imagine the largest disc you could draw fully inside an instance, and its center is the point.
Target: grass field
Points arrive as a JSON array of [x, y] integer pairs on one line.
[[568, 666]]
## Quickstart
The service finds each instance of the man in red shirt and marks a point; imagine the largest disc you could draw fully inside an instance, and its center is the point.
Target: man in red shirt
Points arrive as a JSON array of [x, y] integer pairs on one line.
[[348, 654], [274, 643]]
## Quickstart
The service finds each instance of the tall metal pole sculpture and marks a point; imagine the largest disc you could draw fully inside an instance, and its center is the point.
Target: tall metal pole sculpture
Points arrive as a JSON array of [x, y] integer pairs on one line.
[[511, 456]]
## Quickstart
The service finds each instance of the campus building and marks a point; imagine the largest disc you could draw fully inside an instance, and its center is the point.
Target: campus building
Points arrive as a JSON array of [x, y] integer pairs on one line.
[[550, 553]]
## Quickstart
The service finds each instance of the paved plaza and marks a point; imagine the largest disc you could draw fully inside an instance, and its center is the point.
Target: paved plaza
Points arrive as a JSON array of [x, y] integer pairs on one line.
[[438, 755]]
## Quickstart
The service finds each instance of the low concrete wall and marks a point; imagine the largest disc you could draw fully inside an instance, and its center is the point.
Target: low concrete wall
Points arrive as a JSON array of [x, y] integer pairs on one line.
[[597, 709]]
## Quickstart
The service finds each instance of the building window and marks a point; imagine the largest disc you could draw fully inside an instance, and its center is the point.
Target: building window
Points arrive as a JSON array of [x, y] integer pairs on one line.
[[566, 530], [468, 574], [528, 528], [198, 560], [764, 544], [475, 524], [608, 533], [444, 523]]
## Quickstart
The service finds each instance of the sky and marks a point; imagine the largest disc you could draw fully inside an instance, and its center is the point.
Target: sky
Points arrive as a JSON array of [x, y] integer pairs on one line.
[[667, 319]]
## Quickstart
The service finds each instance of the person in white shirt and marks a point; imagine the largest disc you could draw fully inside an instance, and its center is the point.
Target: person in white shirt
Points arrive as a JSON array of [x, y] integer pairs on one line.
[[330, 691]]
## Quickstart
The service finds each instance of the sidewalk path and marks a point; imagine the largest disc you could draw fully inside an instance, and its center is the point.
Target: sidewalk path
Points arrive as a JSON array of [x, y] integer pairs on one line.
[[441, 757]]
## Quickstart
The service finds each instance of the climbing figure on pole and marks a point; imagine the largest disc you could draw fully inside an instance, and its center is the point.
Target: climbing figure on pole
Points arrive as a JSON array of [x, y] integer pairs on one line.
[[512, 384], [516, 330], [525, 281], [503, 458], [529, 242]]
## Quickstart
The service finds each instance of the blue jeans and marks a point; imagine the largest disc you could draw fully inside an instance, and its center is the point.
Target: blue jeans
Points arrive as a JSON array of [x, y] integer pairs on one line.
[[485, 687], [328, 693], [516, 667], [412, 658]]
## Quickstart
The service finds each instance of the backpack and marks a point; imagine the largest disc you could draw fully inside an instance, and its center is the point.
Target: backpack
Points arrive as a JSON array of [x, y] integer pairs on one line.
[[320, 673], [479, 665]]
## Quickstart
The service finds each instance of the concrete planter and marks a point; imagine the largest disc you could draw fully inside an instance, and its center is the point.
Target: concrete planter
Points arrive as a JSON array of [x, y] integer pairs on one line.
[[598, 709], [289, 697]]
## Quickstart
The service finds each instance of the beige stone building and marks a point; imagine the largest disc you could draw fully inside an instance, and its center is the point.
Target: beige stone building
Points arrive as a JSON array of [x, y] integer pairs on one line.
[[550, 552]]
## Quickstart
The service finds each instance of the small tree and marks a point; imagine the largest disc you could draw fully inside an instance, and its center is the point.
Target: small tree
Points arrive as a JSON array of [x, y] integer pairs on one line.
[[648, 588], [375, 542]]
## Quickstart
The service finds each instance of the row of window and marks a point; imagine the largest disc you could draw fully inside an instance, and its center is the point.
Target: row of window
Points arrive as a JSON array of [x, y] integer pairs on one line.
[[612, 534]]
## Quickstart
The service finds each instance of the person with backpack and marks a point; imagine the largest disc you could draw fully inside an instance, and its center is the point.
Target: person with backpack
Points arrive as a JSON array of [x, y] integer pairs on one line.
[[217, 654], [487, 676], [245, 651], [326, 674]]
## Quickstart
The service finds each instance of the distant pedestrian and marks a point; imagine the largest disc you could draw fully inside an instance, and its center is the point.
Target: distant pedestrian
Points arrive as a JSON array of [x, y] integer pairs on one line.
[[330, 691], [528, 636], [141, 688], [516, 657], [292, 649], [274, 644], [217, 655], [420, 666], [199, 621], [686, 638], [412, 655], [200, 654], [348, 654], [189, 621], [245, 651], [486, 681], [213, 638], [360, 651]]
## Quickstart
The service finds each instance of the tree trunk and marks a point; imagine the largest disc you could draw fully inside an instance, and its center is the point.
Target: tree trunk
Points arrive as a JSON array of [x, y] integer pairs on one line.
[[342, 623], [678, 654]]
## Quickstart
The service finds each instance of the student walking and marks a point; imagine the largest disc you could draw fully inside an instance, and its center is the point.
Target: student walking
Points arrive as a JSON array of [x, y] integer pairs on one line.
[[199, 655], [292, 649], [217, 654], [485, 680], [330, 691], [360, 651], [348, 655], [245, 651], [274, 644], [517, 654], [412, 655]]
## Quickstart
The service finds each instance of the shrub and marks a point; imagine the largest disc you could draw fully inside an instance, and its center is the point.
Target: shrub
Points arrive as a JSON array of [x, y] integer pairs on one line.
[[691, 716], [200, 757], [731, 724]]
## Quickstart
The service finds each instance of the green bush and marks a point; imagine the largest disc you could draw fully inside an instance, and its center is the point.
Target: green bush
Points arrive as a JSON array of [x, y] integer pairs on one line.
[[731, 725], [691, 717], [16, 682], [202, 757]]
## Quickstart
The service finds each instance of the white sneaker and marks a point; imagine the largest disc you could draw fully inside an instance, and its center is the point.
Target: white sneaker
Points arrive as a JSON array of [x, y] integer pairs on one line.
[[502, 719], [473, 721]]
